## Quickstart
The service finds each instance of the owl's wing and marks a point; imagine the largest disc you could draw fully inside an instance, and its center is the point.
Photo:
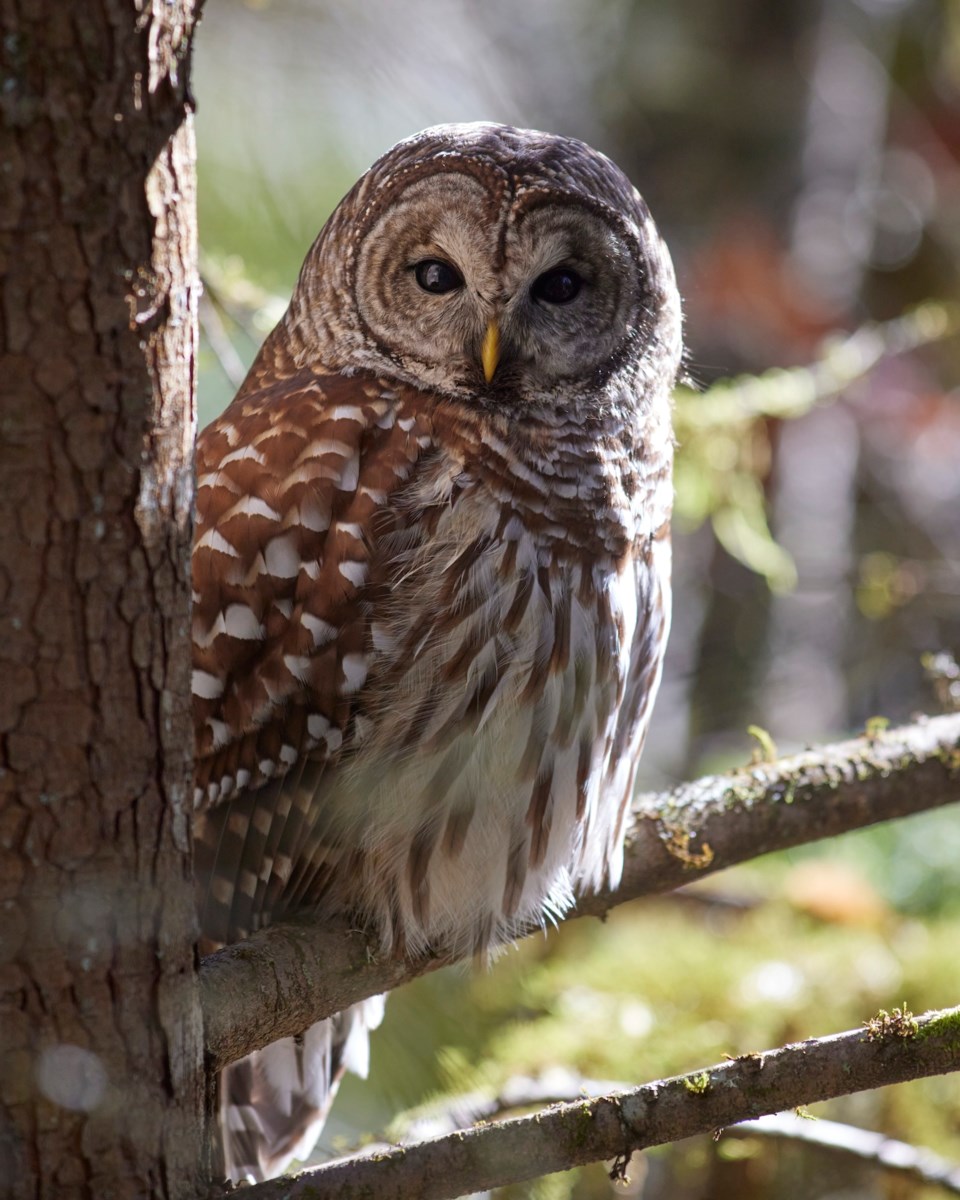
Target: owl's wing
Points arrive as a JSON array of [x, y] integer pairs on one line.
[[294, 483], [651, 573]]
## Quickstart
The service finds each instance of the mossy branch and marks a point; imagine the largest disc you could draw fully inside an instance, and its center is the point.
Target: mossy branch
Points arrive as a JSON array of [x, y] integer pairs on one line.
[[613, 1126], [285, 978], [522, 1093]]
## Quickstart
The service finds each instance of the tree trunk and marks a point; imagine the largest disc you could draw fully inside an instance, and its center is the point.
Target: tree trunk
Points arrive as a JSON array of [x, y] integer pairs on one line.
[[101, 1084]]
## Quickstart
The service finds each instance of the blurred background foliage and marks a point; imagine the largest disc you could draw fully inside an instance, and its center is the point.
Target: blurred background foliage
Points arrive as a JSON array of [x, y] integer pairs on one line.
[[803, 162]]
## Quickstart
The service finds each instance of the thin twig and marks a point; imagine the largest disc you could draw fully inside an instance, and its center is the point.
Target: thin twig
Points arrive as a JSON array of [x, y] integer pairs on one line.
[[285, 978], [887, 1154], [612, 1127], [794, 391], [556, 1085], [211, 324]]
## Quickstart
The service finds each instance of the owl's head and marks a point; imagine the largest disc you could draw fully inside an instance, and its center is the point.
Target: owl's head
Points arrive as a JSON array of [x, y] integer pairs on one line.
[[492, 264]]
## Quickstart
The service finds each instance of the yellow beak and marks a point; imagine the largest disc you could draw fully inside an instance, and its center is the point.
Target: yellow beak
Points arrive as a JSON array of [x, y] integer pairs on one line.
[[490, 350]]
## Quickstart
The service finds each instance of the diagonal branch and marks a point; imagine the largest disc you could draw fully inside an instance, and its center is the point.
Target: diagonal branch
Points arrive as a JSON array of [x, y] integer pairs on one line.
[[281, 981], [612, 1127], [559, 1085]]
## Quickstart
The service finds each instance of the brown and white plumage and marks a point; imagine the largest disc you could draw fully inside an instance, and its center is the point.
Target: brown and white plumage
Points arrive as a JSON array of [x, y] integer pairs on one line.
[[431, 598]]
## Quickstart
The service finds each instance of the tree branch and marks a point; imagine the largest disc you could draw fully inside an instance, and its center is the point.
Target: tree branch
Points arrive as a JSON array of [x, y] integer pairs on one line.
[[612, 1127], [559, 1085], [285, 978]]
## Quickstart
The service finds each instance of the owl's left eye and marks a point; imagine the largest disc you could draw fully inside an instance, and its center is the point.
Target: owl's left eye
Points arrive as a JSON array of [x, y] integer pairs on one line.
[[558, 286], [438, 277]]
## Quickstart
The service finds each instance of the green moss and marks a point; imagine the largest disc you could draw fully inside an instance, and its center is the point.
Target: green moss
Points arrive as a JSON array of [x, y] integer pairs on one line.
[[697, 1084], [875, 726], [945, 1024], [584, 1126], [950, 757], [766, 748]]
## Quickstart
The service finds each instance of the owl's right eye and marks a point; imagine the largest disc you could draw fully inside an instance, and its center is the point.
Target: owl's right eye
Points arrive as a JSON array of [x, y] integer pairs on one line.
[[438, 277]]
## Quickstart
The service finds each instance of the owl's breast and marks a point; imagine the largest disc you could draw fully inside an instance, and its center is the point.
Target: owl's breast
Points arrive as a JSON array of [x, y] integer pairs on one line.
[[480, 780]]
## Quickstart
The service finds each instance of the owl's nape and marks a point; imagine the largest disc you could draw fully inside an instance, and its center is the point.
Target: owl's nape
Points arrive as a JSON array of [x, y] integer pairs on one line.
[[431, 577]]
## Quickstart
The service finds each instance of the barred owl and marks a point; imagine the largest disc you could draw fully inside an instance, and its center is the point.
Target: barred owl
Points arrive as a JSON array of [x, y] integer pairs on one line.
[[431, 577]]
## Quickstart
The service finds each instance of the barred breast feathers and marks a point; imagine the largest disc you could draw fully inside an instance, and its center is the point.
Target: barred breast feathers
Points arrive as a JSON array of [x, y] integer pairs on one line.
[[501, 717]]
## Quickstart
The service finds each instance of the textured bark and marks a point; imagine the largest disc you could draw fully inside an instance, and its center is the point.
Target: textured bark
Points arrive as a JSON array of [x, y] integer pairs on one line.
[[100, 1047]]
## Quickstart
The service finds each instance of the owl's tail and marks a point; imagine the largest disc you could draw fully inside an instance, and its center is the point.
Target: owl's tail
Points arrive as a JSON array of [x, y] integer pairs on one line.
[[274, 1102]]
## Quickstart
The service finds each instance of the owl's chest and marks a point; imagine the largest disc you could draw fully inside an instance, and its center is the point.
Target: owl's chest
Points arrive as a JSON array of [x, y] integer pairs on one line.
[[486, 599], [483, 734]]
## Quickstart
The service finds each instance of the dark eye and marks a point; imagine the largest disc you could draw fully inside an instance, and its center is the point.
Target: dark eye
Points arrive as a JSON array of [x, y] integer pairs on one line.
[[436, 276], [558, 286]]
